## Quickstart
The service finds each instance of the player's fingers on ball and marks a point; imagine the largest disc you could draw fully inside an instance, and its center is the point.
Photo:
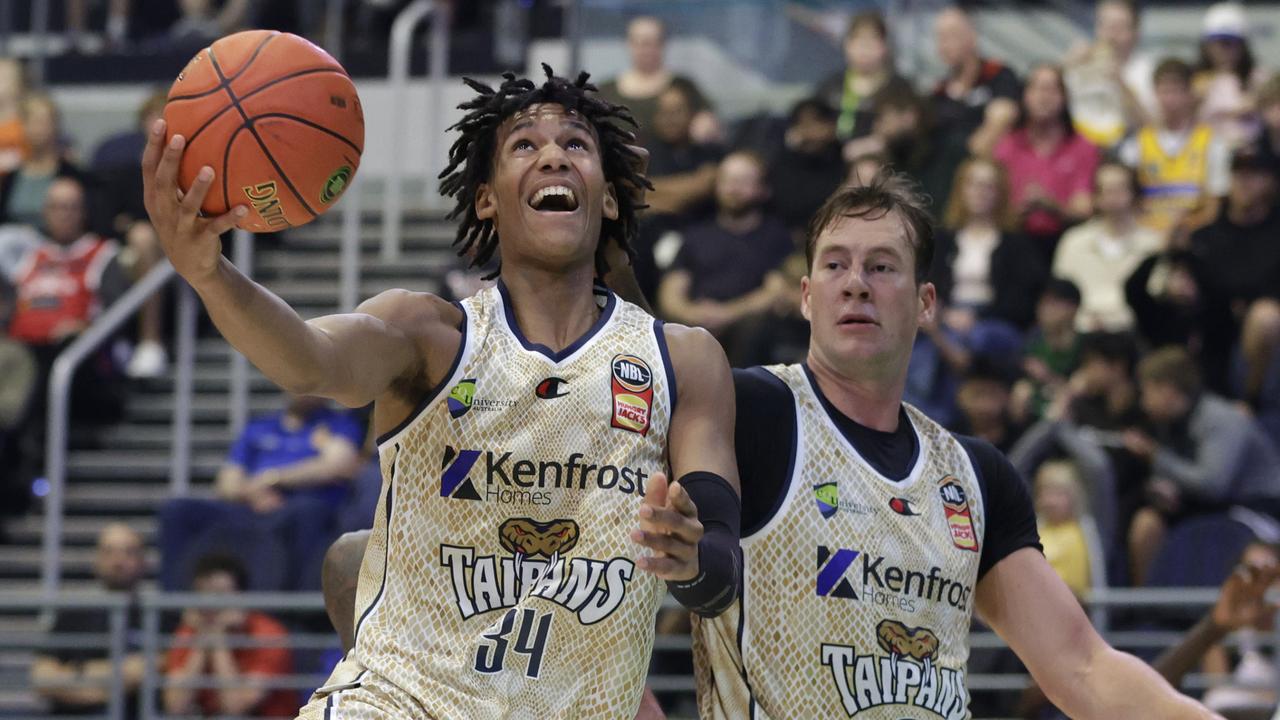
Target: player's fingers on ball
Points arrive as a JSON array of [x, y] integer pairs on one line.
[[151, 155], [166, 174], [228, 220], [194, 197]]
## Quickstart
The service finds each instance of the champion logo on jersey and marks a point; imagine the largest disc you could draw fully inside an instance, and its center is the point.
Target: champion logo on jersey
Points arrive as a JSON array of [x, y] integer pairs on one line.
[[833, 564], [903, 506], [959, 519], [455, 481], [552, 387], [631, 385]]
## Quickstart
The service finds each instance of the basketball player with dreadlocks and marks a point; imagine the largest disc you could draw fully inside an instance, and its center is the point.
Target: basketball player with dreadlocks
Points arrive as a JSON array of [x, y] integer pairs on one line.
[[526, 526]]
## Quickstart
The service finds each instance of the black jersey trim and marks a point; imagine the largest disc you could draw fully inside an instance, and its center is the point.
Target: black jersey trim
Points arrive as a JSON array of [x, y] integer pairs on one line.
[[434, 392], [660, 335], [742, 655], [508, 312], [784, 488], [386, 558]]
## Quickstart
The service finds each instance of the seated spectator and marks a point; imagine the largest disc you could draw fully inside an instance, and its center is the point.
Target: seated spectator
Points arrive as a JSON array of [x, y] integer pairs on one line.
[[22, 192], [1237, 265], [1227, 76], [1205, 454], [983, 401], [1059, 501], [117, 23], [1109, 80], [1252, 683], [639, 86], [1168, 307], [116, 164], [1101, 254], [1181, 164], [1052, 351], [726, 271], [903, 132], [809, 167], [207, 646], [200, 22], [1050, 165], [288, 473], [76, 679], [13, 137], [983, 270], [869, 69], [977, 101]]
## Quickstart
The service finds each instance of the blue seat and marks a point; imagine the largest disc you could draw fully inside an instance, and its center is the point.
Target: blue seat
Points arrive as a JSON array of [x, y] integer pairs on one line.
[[1200, 551]]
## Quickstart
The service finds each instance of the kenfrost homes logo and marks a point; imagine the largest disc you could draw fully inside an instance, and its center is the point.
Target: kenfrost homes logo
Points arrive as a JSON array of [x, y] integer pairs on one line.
[[872, 579], [503, 478], [827, 496], [462, 398]]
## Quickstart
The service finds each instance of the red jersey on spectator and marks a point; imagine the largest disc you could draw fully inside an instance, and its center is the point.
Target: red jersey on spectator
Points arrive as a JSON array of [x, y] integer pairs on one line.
[[259, 662], [1065, 171], [58, 285]]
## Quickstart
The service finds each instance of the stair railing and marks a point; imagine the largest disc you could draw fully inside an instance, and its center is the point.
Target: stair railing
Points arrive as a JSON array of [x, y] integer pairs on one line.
[[58, 420]]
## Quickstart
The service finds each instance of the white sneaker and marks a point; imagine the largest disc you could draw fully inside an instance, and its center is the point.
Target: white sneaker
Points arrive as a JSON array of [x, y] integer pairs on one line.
[[149, 360]]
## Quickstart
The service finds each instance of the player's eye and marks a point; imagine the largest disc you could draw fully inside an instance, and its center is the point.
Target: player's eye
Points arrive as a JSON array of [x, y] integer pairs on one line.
[[576, 144], [523, 145]]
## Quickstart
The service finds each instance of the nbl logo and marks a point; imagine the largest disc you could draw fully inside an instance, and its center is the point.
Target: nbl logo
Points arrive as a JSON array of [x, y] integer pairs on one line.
[[632, 390]]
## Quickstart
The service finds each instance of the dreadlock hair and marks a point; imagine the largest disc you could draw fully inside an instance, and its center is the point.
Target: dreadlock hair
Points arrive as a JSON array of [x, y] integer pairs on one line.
[[471, 158]]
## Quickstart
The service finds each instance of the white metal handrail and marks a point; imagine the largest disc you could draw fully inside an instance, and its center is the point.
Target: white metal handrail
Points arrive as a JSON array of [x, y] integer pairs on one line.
[[58, 419], [398, 78], [238, 400]]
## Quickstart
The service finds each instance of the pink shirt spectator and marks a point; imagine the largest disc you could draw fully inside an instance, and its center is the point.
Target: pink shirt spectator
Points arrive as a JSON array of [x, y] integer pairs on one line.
[[1066, 171]]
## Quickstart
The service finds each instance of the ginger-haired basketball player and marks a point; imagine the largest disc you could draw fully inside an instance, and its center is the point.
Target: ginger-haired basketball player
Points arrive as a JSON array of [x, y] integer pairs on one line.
[[526, 433]]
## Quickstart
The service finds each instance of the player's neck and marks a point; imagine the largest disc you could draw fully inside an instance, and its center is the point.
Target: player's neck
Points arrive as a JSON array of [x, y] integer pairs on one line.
[[872, 402], [552, 309]]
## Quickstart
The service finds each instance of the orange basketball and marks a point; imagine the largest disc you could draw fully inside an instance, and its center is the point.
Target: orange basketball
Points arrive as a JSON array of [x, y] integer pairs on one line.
[[276, 118]]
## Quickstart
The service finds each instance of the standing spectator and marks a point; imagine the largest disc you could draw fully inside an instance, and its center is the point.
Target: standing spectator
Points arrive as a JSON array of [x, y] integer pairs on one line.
[[1059, 500], [869, 68], [978, 99], [1109, 80], [1238, 270], [639, 86], [287, 473], [76, 680], [1181, 164], [13, 137], [726, 272], [904, 135], [1205, 454], [1050, 165], [1052, 351], [22, 192], [205, 647], [983, 270], [809, 168], [1227, 76], [1100, 255]]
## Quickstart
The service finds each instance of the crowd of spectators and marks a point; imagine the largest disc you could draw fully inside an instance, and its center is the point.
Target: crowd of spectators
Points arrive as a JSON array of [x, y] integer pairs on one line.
[[1106, 265]]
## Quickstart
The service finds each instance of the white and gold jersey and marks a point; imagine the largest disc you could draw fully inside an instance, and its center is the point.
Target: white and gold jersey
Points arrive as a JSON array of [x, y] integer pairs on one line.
[[499, 579], [858, 591]]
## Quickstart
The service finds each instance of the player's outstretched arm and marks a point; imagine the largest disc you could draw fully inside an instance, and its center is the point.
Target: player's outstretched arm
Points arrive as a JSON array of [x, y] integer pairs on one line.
[[1024, 601], [693, 525], [351, 358]]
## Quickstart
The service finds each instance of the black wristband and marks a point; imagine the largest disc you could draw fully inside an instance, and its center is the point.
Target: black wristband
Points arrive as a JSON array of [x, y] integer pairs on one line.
[[719, 555]]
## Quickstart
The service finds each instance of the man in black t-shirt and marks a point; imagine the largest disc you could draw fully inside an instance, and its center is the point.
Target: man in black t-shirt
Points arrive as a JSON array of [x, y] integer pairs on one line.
[[978, 99], [76, 680]]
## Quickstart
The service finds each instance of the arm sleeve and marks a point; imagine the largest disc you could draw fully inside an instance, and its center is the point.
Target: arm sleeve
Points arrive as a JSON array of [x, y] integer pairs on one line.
[[1007, 508], [765, 441], [719, 578]]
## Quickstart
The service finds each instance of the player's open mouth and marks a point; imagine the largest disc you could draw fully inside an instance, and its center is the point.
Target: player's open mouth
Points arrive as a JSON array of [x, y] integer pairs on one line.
[[554, 198], [856, 319]]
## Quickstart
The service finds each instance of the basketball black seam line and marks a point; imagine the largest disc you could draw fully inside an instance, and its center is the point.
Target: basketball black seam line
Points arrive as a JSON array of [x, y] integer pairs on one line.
[[226, 160], [248, 125], [229, 80], [260, 88], [310, 124]]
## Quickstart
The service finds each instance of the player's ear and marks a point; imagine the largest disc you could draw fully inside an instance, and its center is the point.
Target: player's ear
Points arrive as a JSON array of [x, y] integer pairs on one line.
[[486, 202], [928, 302], [804, 297], [610, 210]]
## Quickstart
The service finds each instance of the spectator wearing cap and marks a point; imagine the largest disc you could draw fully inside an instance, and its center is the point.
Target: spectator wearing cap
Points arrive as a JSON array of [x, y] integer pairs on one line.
[[1238, 269], [869, 69], [1050, 164], [978, 98], [1100, 254], [1227, 75], [1204, 452], [1182, 165], [808, 168], [1109, 80]]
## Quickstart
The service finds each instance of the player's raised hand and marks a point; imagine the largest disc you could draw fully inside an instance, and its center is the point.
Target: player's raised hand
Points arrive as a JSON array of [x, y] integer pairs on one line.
[[669, 527], [189, 240]]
